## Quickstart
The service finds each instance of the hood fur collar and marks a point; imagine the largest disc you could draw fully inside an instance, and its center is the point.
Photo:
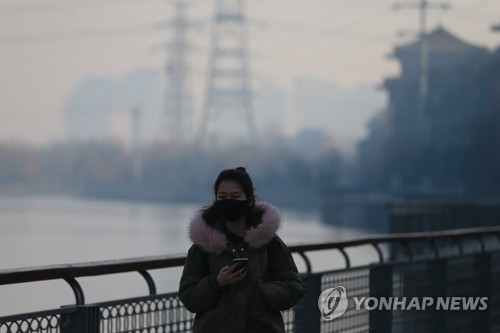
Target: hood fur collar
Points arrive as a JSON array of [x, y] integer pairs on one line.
[[214, 241]]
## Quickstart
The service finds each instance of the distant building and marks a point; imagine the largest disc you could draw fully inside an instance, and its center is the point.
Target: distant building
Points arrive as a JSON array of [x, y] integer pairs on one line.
[[100, 109], [446, 52], [311, 143], [436, 163], [459, 119], [88, 110]]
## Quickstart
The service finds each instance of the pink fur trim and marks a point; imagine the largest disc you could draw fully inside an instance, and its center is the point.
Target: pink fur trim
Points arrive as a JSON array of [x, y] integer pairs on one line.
[[264, 232], [214, 241], [205, 236]]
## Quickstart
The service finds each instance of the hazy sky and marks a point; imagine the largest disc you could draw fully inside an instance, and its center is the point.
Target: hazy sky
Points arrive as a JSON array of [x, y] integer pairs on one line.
[[48, 46]]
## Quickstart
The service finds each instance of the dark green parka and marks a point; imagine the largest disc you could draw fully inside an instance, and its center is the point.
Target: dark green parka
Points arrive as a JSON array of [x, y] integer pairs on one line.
[[252, 305]]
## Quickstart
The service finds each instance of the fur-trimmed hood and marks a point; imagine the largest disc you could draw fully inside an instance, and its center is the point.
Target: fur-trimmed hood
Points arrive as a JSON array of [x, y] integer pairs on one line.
[[213, 240]]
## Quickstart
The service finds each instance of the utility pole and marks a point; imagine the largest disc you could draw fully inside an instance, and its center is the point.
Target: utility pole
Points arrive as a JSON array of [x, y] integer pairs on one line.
[[178, 99], [137, 160], [294, 108], [423, 90], [228, 81]]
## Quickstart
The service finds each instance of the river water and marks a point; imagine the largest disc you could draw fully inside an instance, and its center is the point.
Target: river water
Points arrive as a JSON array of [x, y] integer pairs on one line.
[[37, 231]]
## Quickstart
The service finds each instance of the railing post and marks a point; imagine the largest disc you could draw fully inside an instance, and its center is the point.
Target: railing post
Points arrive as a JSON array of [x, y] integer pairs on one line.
[[307, 315], [85, 319], [439, 276], [380, 286], [483, 267]]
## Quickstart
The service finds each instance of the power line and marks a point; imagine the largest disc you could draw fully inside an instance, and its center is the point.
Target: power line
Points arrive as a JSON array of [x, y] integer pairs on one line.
[[472, 8], [74, 35], [24, 8]]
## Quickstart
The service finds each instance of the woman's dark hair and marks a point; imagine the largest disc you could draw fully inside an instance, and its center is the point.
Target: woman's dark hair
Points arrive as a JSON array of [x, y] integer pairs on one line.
[[240, 176]]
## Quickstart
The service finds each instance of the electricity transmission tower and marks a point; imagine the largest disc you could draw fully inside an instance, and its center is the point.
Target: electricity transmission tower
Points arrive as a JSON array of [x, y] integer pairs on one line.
[[178, 99], [423, 6], [228, 80]]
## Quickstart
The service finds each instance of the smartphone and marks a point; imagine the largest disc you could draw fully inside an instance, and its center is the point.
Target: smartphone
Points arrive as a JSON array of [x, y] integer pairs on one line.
[[241, 262]]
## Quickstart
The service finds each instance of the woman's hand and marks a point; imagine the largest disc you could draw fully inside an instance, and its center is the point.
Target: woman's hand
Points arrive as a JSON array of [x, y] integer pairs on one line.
[[231, 275]]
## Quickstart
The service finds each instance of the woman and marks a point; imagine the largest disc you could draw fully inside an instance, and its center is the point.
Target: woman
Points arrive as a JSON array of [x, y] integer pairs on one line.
[[229, 297]]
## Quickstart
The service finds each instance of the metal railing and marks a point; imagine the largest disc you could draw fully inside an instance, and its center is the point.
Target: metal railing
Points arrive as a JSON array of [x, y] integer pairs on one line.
[[435, 215], [448, 263]]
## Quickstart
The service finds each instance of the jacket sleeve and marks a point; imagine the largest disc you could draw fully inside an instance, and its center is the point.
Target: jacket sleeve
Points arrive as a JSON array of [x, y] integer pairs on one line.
[[288, 288], [197, 291]]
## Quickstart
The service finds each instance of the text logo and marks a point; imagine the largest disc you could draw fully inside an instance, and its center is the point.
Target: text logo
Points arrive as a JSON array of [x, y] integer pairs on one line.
[[421, 304], [333, 303]]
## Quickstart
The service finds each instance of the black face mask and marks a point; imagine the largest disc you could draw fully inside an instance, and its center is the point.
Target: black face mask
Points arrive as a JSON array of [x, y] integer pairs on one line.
[[231, 210]]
